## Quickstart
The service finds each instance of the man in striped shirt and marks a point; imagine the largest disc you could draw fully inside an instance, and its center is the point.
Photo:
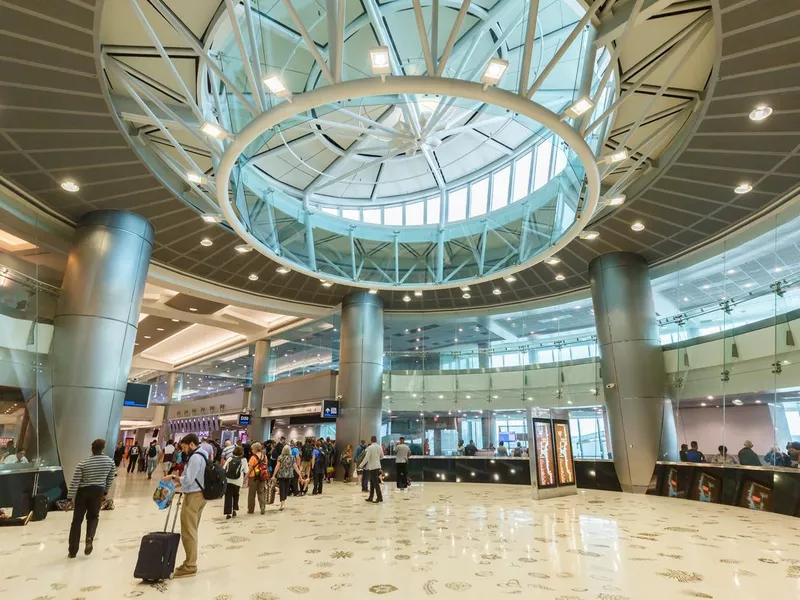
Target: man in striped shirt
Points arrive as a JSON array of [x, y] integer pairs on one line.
[[90, 483]]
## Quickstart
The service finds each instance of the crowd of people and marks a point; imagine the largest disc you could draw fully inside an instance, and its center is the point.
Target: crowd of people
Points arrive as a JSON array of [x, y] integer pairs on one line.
[[747, 456]]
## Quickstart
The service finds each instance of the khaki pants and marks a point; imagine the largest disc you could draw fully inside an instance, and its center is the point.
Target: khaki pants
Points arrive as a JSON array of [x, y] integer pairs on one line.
[[191, 511], [305, 468], [259, 488]]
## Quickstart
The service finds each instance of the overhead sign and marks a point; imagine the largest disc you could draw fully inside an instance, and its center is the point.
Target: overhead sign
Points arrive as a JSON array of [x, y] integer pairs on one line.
[[330, 409], [244, 419]]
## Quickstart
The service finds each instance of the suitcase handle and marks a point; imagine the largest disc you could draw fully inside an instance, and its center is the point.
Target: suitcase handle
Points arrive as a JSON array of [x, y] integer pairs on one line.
[[169, 512]]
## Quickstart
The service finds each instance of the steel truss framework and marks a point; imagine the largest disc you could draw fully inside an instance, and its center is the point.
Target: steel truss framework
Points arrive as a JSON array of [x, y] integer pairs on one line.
[[289, 224]]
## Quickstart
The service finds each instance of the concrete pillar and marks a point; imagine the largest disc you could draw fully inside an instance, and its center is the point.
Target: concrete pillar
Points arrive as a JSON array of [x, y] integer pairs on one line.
[[633, 366], [483, 355], [259, 429], [360, 368], [165, 434], [95, 329]]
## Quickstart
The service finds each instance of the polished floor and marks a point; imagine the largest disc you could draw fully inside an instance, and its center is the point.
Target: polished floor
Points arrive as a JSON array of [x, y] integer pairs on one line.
[[448, 540]]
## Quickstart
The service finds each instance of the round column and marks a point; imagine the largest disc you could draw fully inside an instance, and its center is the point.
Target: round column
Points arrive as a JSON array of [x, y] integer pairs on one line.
[[360, 368], [95, 329], [259, 429], [632, 365]]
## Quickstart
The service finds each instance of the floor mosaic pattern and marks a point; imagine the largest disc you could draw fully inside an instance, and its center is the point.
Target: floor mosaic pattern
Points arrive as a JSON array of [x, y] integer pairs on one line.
[[446, 540]]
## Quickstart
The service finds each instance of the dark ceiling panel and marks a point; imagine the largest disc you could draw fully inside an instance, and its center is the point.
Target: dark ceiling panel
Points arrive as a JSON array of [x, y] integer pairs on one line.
[[184, 303], [728, 160], [784, 29], [68, 12], [153, 330]]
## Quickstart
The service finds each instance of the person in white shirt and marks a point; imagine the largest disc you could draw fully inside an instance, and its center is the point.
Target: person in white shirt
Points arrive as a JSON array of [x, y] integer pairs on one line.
[[169, 456], [13, 459], [233, 464], [371, 460], [401, 454]]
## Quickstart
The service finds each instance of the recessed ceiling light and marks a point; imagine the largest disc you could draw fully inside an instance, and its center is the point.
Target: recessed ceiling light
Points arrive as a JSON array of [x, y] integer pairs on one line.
[[560, 277], [706, 286], [466, 295], [379, 60], [282, 270], [615, 157], [373, 292], [738, 402], [192, 177], [494, 72], [464, 288], [553, 260], [275, 85], [325, 283], [748, 285], [406, 298], [580, 107], [213, 130], [192, 309], [509, 279], [731, 271], [685, 298], [637, 226], [176, 320], [760, 112], [758, 401], [589, 235], [243, 248], [206, 242], [69, 186], [418, 293], [252, 277], [209, 218], [703, 404], [147, 337], [743, 188], [497, 291], [159, 329], [616, 200], [709, 397]]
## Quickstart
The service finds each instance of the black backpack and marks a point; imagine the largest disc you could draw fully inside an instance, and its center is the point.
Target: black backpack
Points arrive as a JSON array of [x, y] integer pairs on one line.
[[308, 452], [215, 480], [152, 452], [234, 469]]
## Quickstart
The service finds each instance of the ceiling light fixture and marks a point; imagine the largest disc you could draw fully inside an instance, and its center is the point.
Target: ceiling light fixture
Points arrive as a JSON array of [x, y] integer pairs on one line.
[[192, 309], [159, 329], [615, 157], [466, 295], [743, 188], [209, 218], [213, 130], [252, 277], [206, 242], [176, 320], [579, 107], [760, 112], [70, 186], [406, 298], [494, 72], [195, 178], [637, 226], [464, 288], [553, 261], [276, 87], [509, 279], [616, 200], [243, 248], [326, 284], [560, 277], [497, 291], [282, 270], [418, 293], [589, 235], [379, 61], [373, 292]]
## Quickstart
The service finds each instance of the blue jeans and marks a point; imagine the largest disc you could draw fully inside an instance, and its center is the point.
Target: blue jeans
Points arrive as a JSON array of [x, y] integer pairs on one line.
[[152, 463]]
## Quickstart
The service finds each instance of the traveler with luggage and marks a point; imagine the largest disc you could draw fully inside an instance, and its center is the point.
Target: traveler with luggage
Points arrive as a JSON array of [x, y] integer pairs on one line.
[[258, 475], [285, 469], [90, 483], [168, 456], [235, 472], [202, 480], [153, 451]]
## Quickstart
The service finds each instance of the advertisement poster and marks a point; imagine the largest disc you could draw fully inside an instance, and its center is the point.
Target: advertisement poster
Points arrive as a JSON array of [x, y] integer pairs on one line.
[[543, 441], [564, 462]]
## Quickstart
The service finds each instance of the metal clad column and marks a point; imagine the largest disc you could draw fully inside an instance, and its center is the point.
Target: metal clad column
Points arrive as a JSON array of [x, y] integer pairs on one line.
[[360, 368], [632, 363], [95, 329], [259, 430]]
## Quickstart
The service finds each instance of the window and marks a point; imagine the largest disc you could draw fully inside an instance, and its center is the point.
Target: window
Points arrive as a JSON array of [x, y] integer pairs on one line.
[[479, 195], [393, 215], [372, 215], [541, 172], [522, 177], [561, 160], [330, 210], [457, 205], [500, 181], [415, 213], [351, 213], [433, 209]]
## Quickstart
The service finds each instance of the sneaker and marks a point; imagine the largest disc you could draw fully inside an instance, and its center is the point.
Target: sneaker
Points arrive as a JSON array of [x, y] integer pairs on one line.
[[184, 571], [367, 499], [227, 516], [72, 555], [263, 510], [87, 550], [234, 513]]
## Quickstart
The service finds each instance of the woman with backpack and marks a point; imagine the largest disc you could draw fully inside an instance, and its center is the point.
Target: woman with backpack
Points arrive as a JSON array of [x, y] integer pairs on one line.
[[285, 468], [234, 473], [258, 474]]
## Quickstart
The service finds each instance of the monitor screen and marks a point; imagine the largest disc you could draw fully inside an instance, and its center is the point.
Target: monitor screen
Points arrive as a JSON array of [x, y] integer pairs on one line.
[[507, 437], [756, 496], [705, 487], [244, 419], [138, 395]]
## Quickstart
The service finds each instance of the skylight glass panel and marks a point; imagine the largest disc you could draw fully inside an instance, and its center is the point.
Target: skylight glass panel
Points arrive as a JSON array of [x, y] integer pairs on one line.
[[561, 160], [415, 213], [541, 172], [500, 183], [522, 177], [479, 196], [393, 215], [457, 205]]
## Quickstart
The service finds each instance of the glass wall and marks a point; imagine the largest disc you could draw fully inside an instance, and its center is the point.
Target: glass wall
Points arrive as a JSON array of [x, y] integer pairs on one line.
[[310, 348]]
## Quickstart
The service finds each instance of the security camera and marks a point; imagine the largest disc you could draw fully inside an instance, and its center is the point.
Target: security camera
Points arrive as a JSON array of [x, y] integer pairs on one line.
[[135, 379], [611, 386], [338, 397]]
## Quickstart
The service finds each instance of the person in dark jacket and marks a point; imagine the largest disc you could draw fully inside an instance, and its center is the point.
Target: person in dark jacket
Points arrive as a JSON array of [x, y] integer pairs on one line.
[[470, 449], [776, 458], [694, 455], [748, 456], [119, 452], [684, 453]]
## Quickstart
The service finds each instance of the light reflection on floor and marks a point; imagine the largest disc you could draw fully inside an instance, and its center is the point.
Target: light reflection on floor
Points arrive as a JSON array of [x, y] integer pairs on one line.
[[444, 539]]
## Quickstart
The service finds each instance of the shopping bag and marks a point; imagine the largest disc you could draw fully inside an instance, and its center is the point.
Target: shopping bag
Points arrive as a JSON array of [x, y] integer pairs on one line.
[[163, 494]]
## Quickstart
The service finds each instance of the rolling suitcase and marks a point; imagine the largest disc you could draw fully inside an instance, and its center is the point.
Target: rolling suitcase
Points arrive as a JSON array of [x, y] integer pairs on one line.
[[159, 550], [39, 507]]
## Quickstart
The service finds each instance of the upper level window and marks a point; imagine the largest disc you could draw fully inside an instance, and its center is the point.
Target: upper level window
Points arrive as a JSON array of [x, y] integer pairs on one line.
[[479, 196], [393, 215], [415, 213], [457, 205], [500, 182], [522, 177], [433, 208]]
